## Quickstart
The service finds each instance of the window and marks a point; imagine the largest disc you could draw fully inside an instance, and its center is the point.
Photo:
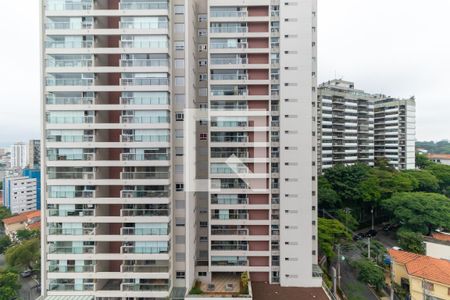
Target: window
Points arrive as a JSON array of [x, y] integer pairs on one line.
[[180, 239], [202, 47], [180, 100], [179, 63], [203, 224], [180, 204], [181, 275], [179, 187], [203, 92], [180, 222], [179, 9], [428, 286], [180, 256], [203, 77], [179, 169], [203, 239], [179, 81], [202, 62], [179, 45], [202, 274], [179, 151], [202, 17], [203, 136], [202, 32], [179, 133], [179, 116], [179, 27]]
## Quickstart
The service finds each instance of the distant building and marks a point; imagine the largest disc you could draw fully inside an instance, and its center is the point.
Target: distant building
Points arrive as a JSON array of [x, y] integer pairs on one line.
[[440, 158], [34, 154], [423, 277], [35, 174], [19, 155], [438, 245], [30, 220], [20, 194], [357, 127], [395, 132]]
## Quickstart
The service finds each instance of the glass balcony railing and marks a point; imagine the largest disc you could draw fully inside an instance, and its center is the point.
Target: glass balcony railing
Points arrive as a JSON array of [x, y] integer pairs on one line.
[[144, 62], [223, 124], [70, 287], [70, 120], [144, 138], [71, 139], [144, 231], [144, 269], [144, 100], [144, 287], [69, 44], [144, 212], [70, 82], [69, 25], [70, 100], [237, 216], [144, 250], [143, 5], [71, 269], [145, 44], [69, 63], [229, 201], [144, 175], [231, 29], [84, 156], [71, 175], [228, 263], [144, 81], [58, 5], [240, 92], [225, 247], [72, 250], [143, 25], [144, 194], [145, 156], [229, 77], [229, 231], [228, 61], [144, 120], [71, 213], [72, 194], [227, 154], [229, 139], [228, 14], [71, 231], [228, 45]]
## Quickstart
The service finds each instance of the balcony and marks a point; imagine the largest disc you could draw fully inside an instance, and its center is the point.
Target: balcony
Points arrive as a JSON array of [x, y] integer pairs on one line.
[[144, 119], [68, 44], [228, 14], [144, 156], [144, 231], [71, 269], [145, 287], [145, 44], [144, 212], [70, 81], [71, 231], [55, 5], [229, 29], [72, 194], [229, 200], [54, 286], [72, 157], [71, 250], [139, 5], [70, 100], [230, 92], [232, 246], [144, 138], [144, 81], [227, 154], [71, 213], [144, 175], [230, 216], [70, 139], [144, 100], [70, 25], [243, 231], [229, 77], [228, 61], [143, 25], [144, 250], [144, 63], [229, 139], [71, 175], [224, 124], [214, 45], [69, 63], [144, 194], [137, 268]]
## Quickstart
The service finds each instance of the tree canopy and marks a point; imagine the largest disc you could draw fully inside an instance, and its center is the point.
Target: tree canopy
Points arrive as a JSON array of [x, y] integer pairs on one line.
[[411, 241], [25, 255], [370, 273], [419, 212], [9, 285], [331, 232]]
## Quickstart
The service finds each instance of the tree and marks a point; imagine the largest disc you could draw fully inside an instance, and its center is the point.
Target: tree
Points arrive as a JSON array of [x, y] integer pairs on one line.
[[9, 285], [25, 234], [5, 242], [24, 255], [327, 197], [331, 232], [411, 241], [418, 211], [346, 218], [422, 161], [4, 213], [442, 172], [370, 273], [427, 182]]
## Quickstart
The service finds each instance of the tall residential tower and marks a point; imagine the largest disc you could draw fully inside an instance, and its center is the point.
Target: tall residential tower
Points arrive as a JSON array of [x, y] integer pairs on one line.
[[179, 142]]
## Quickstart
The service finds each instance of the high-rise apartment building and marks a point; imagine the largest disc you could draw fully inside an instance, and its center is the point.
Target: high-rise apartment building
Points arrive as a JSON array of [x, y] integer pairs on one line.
[[19, 194], [34, 154], [358, 127], [346, 119], [19, 155], [180, 146], [395, 132]]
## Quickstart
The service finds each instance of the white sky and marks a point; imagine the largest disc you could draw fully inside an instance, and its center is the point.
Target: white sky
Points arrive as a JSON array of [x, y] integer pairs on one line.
[[396, 47]]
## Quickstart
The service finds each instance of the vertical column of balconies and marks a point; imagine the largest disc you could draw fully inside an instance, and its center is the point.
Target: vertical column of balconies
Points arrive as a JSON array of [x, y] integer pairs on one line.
[[239, 119], [107, 128]]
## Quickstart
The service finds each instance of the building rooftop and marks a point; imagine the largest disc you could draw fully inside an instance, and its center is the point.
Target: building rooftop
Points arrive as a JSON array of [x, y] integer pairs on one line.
[[438, 156], [266, 291], [23, 217], [425, 267], [34, 226]]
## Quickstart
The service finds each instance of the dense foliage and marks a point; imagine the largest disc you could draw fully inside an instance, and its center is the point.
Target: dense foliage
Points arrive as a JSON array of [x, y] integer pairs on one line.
[[442, 147], [369, 272], [9, 285], [331, 232], [25, 255], [411, 241]]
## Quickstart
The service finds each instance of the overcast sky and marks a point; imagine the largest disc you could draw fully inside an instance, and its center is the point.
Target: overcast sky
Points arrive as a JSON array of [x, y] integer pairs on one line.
[[396, 47]]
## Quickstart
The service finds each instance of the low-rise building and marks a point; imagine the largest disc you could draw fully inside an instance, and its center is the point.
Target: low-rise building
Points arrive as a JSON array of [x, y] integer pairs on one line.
[[439, 158], [423, 277], [29, 220], [438, 245]]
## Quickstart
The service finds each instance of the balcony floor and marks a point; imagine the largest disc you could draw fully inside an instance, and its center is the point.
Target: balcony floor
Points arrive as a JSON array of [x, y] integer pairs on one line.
[[220, 281]]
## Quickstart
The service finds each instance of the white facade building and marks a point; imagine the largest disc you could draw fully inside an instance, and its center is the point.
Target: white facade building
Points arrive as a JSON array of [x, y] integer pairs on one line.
[[19, 194], [175, 151], [19, 155]]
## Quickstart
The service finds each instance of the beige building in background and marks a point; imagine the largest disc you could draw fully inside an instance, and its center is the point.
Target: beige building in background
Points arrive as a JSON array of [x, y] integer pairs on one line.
[[180, 146]]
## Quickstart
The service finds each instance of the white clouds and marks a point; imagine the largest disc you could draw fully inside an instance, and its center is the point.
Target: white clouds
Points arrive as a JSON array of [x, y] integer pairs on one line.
[[396, 47]]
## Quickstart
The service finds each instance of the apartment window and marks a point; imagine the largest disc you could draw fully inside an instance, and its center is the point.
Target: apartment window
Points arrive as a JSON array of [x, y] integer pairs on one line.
[[180, 256], [179, 169], [202, 47], [180, 100], [180, 204], [179, 63], [179, 151], [202, 17], [179, 81], [201, 274], [180, 222], [202, 32], [180, 275], [202, 62], [203, 92], [203, 224], [179, 116], [179, 45], [179, 27], [179, 133], [179, 9], [203, 77], [180, 239], [203, 136], [203, 239], [179, 187]]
